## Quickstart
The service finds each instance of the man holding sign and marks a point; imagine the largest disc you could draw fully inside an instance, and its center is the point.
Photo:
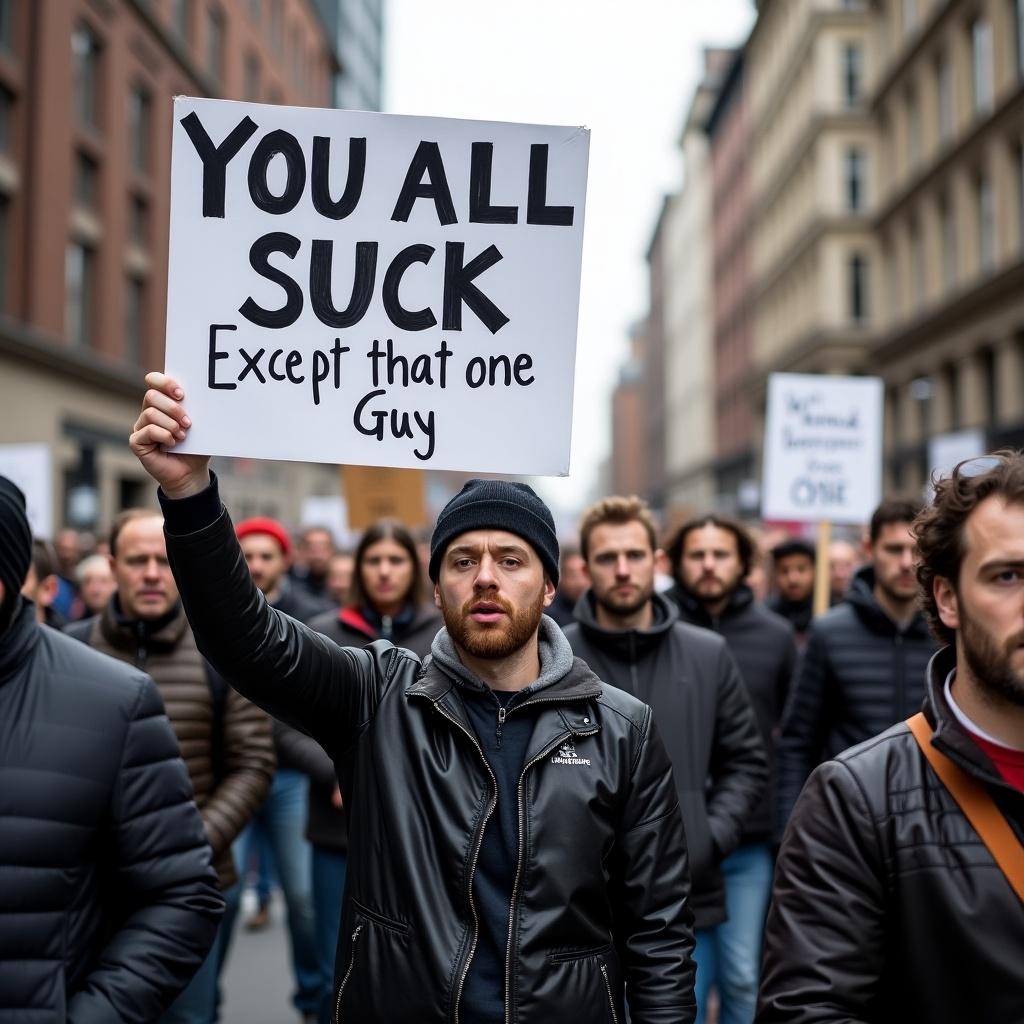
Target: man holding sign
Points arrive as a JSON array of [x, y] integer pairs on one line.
[[516, 846]]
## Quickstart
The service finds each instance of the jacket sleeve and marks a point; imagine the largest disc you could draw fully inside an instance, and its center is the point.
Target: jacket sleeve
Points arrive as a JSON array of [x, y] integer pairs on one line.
[[168, 902], [248, 770], [650, 892], [803, 726], [303, 753], [825, 938], [739, 764], [294, 673]]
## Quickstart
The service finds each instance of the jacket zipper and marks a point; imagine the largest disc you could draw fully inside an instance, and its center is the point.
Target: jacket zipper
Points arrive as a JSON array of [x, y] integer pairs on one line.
[[608, 989], [344, 981], [473, 859], [519, 847]]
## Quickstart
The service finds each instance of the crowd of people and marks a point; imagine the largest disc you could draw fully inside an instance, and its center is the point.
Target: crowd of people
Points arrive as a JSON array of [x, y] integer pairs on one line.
[[678, 794]]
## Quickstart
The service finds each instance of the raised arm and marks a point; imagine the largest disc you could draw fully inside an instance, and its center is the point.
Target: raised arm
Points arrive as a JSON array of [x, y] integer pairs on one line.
[[292, 672]]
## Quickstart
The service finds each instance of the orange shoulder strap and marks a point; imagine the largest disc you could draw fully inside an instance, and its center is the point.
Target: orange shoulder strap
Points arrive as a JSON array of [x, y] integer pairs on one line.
[[978, 806]]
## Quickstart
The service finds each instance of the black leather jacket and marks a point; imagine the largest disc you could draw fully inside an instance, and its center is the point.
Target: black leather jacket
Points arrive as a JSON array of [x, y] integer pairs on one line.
[[887, 908], [599, 903]]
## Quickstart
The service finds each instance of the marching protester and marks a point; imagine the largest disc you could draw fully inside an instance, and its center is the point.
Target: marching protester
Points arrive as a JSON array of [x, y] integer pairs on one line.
[[843, 562], [225, 740], [95, 583], [632, 637], [711, 557], [339, 577], [863, 668], [572, 584], [311, 564], [793, 578], [900, 879], [93, 791], [386, 602], [275, 834], [516, 846]]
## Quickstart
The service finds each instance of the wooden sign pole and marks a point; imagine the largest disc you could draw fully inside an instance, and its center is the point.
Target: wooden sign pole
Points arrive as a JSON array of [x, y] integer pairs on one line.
[[822, 588]]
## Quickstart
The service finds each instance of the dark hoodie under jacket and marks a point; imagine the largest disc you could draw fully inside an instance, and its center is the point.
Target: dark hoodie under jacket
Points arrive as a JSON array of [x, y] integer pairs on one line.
[[887, 907], [763, 646], [860, 674], [108, 900], [705, 715], [326, 825], [599, 907]]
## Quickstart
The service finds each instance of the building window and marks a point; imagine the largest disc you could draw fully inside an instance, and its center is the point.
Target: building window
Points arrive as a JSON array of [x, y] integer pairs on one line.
[[909, 14], [913, 130], [916, 266], [951, 384], [7, 9], [85, 55], [858, 286], [921, 393], [139, 107], [134, 317], [215, 44], [1017, 20], [79, 270], [87, 175], [181, 19], [252, 78], [981, 65], [853, 74], [6, 120], [986, 224], [944, 91], [989, 384], [138, 220], [947, 221], [854, 179]]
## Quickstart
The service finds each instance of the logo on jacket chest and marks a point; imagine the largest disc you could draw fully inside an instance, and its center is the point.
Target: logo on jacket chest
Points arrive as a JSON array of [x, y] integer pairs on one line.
[[567, 755]]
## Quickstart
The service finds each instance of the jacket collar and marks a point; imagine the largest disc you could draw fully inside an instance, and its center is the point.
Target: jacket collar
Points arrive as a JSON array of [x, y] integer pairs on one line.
[[18, 640], [740, 599], [861, 596], [124, 633], [627, 645]]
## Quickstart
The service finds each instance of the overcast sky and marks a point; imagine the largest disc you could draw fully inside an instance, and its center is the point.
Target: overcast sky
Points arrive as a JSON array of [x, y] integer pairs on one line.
[[625, 70]]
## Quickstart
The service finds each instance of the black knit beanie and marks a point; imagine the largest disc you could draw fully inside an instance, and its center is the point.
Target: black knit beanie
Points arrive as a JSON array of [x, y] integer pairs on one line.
[[15, 546], [497, 505]]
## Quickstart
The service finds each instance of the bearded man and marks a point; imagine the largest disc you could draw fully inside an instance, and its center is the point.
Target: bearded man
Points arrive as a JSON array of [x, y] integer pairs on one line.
[[899, 885], [516, 848]]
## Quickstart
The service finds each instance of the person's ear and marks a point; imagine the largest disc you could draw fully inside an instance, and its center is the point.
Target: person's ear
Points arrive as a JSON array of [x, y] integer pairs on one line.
[[437, 596], [549, 590], [46, 594], [947, 602]]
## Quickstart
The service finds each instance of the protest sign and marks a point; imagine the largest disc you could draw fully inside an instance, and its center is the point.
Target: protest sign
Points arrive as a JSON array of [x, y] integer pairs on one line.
[[30, 466], [946, 450], [374, 289], [822, 448], [373, 494]]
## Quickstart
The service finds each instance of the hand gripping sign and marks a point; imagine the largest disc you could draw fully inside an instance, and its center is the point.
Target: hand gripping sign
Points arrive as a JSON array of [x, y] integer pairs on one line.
[[374, 289]]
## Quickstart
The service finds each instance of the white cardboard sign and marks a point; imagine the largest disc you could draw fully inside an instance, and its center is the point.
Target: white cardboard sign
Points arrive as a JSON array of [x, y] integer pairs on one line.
[[30, 466], [822, 448], [375, 289]]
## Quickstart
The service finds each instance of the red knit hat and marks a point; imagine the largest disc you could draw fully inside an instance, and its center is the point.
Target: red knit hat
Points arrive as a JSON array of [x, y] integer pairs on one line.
[[271, 527]]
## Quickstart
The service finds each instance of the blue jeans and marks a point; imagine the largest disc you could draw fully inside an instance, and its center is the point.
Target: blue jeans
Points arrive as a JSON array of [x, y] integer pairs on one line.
[[281, 824], [729, 955], [328, 890]]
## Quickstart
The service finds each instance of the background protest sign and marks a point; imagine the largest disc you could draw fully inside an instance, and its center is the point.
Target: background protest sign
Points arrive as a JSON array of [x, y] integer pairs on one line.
[[373, 494], [374, 289], [30, 466], [822, 448]]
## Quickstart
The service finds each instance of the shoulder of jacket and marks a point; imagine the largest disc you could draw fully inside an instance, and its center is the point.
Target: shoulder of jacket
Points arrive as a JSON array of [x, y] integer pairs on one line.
[[879, 765], [698, 639], [842, 617], [630, 710], [770, 620], [76, 664]]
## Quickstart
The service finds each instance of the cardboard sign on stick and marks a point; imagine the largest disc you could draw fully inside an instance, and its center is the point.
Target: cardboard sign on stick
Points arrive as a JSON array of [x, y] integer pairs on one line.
[[373, 289], [822, 448], [373, 494]]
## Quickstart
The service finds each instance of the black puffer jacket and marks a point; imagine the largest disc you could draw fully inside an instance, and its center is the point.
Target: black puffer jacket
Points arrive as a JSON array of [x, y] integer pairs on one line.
[[108, 902], [327, 825], [764, 649], [600, 900], [859, 674], [704, 712], [887, 907]]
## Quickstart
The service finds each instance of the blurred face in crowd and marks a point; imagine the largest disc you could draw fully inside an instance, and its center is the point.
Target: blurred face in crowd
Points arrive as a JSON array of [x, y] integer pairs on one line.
[[69, 550], [387, 573], [710, 565], [267, 562], [97, 583], [572, 579], [842, 563], [40, 591], [894, 557], [317, 548], [986, 604], [620, 564], [794, 577], [492, 591], [339, 577], [145, 586]]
